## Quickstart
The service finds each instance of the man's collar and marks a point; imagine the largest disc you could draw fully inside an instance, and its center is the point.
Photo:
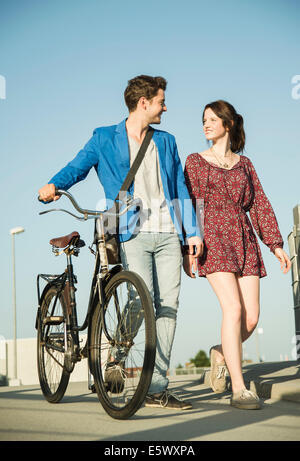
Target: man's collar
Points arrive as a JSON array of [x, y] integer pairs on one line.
[[121, 128]]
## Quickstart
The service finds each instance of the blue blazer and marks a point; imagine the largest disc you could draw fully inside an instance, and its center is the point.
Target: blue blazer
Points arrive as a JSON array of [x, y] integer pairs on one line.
[[108, 152]]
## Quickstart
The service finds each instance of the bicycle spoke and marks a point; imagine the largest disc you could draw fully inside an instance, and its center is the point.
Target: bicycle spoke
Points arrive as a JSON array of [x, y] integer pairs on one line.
[[120, 358], [51, 348]]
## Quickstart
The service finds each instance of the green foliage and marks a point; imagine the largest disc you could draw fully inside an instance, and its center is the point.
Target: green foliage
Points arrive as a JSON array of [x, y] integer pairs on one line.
[[200, 360]]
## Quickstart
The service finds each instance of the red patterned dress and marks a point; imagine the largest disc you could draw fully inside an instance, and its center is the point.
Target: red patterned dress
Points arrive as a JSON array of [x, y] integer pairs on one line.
[[230, 244]]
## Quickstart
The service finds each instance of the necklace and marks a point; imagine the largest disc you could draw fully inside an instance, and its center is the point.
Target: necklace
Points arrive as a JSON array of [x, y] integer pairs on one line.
[[223, 165]]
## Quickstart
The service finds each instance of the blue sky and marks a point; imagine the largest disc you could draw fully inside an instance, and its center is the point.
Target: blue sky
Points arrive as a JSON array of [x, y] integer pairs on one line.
[[66, 64]]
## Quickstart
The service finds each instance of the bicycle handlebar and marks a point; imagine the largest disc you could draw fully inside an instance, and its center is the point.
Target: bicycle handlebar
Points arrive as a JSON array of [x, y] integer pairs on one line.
[[89, 214]]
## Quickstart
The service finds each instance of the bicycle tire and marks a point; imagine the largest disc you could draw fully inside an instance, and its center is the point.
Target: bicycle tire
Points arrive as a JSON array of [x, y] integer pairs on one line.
[[53, 376], [135, 324]]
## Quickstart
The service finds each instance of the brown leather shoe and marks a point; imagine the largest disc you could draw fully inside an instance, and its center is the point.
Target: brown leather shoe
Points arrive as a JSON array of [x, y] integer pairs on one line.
[[168, 400], [114, 377]]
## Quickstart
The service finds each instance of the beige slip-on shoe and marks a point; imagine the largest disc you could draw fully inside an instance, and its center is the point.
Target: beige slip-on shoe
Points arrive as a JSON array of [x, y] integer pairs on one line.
[[218, 372]]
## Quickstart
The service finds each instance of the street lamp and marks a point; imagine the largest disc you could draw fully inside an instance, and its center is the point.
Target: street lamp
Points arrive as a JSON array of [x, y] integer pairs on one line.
[[258, 331], [13, 232]]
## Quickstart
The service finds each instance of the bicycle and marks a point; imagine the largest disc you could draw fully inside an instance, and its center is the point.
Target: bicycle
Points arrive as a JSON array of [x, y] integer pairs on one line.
[[121, 334]]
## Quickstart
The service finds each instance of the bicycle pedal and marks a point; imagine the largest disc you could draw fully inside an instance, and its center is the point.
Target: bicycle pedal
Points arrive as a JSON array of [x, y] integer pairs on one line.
[[54, 320], [92, 388]]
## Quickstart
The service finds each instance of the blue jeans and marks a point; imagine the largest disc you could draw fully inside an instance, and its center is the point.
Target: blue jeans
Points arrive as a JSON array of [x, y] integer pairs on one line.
[[156, 257]]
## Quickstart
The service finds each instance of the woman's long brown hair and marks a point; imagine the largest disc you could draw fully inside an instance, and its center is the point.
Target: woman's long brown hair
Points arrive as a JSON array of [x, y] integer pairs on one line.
[[231, 120]]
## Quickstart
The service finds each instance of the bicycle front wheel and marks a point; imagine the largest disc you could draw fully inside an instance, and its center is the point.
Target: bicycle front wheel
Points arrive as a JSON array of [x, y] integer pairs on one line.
[[53, 375], [123, 344]]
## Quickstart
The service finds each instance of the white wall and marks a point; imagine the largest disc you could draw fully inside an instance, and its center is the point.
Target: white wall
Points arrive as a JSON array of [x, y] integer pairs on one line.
[[27, 361]]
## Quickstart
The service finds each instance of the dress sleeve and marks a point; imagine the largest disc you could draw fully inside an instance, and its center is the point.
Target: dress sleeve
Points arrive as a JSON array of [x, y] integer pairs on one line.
[[192, 178], [262, 215], [191, 175], [188, 215]]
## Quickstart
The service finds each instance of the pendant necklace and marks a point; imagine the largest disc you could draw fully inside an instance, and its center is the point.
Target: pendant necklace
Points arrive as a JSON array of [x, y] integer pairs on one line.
[[223, 165]]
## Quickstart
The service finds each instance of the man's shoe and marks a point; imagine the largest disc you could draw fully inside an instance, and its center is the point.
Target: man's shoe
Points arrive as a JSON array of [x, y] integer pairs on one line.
[[245, 400], [167, 399], [114, 377], [218, 373]]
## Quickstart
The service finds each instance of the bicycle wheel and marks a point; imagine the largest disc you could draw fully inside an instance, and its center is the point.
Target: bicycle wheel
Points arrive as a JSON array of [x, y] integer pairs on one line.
[[122, 345], [53, 375]]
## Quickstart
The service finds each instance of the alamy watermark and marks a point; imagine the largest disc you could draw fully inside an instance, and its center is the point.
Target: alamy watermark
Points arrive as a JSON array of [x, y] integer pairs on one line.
[[154, 216], [296, 89], [2, 87]]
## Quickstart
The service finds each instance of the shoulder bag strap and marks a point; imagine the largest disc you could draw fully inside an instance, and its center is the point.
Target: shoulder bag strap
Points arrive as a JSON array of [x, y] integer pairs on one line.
[[137, 162]]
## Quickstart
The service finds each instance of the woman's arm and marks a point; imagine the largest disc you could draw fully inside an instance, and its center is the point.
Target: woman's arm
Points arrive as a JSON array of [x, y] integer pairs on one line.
[[265, 223]]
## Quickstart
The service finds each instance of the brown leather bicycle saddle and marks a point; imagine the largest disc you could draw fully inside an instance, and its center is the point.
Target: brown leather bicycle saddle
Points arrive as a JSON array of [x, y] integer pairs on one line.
[[62, 242]]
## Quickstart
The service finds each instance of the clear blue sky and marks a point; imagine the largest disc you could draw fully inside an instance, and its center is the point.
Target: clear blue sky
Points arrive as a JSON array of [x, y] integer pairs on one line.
[[66, 65]]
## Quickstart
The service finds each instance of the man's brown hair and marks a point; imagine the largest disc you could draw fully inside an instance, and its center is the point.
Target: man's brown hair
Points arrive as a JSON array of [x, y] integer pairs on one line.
[[142, 86]]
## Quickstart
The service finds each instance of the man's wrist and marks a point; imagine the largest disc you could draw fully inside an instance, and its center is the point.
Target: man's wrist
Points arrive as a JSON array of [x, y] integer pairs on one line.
[[185, 250]]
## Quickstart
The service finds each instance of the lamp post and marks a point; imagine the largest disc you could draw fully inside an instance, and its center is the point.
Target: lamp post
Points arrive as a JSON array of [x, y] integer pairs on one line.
[[294, 247], [258, 331], [13, 232]]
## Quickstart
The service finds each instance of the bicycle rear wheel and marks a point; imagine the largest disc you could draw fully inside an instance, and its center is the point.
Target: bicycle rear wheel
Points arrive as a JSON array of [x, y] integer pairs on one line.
[[53, 375], [122, 345]]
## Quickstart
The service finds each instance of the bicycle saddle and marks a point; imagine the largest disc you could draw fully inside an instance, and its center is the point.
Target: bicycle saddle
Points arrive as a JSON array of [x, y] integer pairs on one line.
[[62, 242]]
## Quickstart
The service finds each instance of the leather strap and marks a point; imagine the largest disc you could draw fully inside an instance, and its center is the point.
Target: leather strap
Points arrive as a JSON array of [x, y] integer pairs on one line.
[[137, 162]]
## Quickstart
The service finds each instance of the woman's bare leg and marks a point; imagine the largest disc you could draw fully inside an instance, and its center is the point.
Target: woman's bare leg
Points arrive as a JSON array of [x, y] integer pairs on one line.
[[249, 295], [226, 287]]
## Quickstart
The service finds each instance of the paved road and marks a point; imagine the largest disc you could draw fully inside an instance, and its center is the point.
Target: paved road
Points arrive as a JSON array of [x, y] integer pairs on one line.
[[25, 415]]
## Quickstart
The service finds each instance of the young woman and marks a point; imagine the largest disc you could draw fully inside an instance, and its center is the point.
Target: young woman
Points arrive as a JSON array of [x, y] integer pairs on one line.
[[231, 260]]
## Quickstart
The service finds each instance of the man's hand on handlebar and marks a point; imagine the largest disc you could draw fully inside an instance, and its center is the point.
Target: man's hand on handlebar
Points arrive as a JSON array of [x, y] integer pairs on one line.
[[47, 193]]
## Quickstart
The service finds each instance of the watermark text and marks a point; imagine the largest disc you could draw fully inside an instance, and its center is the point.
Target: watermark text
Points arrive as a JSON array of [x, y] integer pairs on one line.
[[2, 87], [296, 89]]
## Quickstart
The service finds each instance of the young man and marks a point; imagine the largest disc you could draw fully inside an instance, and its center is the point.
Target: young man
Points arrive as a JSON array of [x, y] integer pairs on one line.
[[154, 249]]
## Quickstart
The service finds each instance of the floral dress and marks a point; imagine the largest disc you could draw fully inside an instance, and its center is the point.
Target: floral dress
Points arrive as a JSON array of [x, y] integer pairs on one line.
[[230, 244]]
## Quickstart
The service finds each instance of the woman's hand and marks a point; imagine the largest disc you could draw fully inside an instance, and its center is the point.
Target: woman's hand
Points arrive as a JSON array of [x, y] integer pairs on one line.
[[285, 263], [195, 242], [190, 265]]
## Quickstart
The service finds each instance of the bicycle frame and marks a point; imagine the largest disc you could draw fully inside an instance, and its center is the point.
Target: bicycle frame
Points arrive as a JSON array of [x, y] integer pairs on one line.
[[67, 279], [101, 274]]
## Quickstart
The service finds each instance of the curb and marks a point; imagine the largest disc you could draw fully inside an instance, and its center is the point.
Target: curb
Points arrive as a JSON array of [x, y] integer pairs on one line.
[[278, 385]]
